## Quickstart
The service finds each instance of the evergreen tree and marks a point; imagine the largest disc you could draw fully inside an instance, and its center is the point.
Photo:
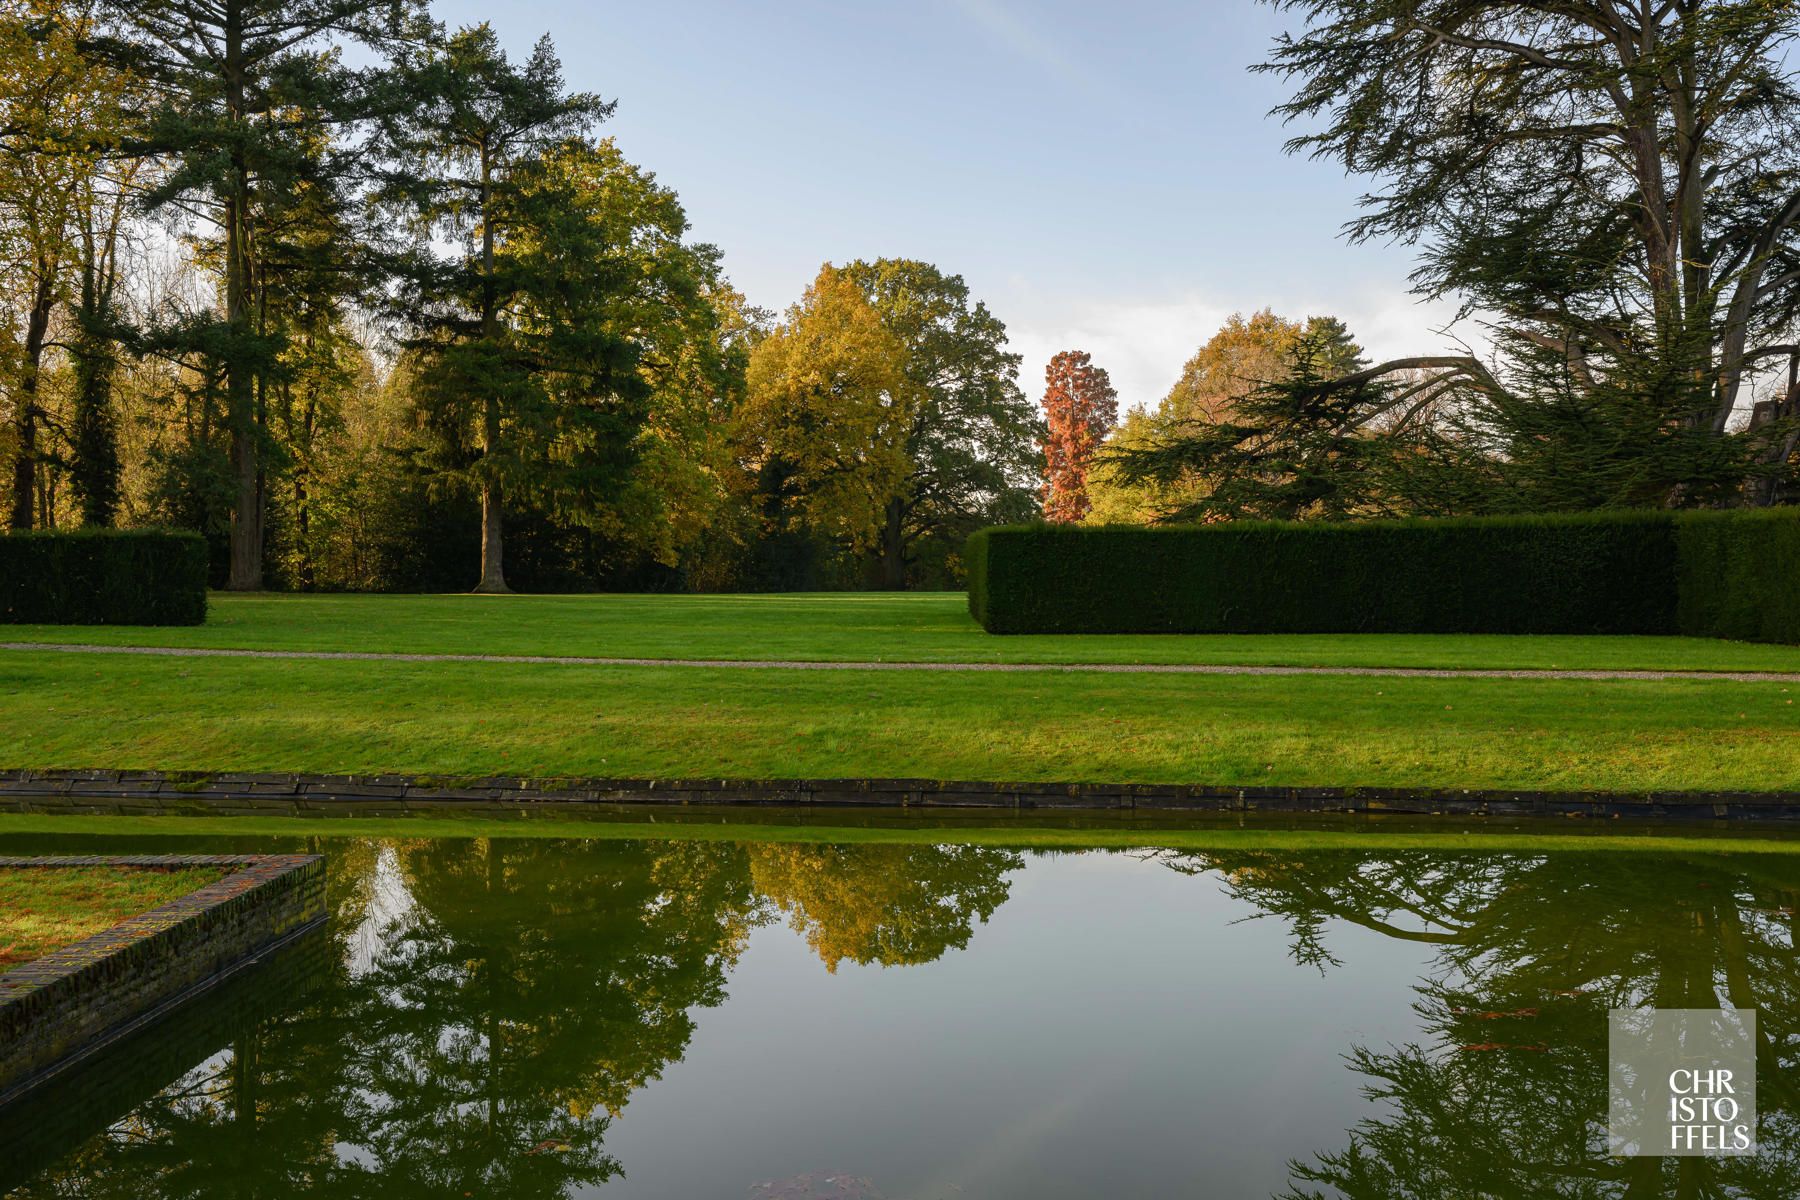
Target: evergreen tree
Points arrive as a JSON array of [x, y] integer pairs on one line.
[[1293, 448], [1082, 408], [245, 89], [505, 360], [1613, 186]]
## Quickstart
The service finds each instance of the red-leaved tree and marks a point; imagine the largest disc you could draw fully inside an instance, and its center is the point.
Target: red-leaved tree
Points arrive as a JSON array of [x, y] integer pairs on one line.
[[1081, 408]]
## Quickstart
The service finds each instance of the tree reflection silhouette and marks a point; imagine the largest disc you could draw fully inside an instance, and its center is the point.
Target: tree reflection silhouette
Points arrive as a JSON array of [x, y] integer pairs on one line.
[[1505, 1094], [497, 1002], [494, 1004]]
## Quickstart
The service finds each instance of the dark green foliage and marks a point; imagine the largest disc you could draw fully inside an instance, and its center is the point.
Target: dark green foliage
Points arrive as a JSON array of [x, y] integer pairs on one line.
[[1740, 574], [243, 99], [1571, 574], [103, 577], [1637, 437], [94, 467], [1729, 574]]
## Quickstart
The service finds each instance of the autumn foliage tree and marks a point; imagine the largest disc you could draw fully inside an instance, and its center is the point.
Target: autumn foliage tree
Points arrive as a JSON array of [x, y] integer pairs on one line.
[[1080, 408], [825, 421]]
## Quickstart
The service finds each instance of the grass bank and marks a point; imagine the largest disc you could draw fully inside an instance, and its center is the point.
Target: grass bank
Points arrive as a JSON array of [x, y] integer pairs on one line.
[[461, 719], [854, 627], [42, 909]]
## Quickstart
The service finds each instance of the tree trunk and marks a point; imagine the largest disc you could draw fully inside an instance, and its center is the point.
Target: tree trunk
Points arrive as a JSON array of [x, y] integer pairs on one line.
[[493, 574], [246, 573], [37, 327], [493, 570], [302, 474], [893, 548]]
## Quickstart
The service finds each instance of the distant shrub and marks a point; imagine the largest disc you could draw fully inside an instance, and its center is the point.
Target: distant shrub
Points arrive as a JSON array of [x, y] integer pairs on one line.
[[103, 577], [1612, 572]]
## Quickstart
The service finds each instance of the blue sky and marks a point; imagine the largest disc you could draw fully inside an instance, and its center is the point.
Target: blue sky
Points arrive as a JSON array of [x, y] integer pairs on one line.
[[1103, 175]]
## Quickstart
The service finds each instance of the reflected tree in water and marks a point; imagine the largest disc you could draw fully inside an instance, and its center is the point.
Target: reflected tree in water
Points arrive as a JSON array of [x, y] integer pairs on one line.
[[887, 904], [546, 982], [1505, 1095], [495, 1004], [488, 1007]]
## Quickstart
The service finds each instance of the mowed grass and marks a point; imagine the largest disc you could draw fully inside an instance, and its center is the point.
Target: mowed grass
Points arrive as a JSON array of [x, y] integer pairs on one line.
[[43, 908], [79, 833], [473, 719], [857, 627]]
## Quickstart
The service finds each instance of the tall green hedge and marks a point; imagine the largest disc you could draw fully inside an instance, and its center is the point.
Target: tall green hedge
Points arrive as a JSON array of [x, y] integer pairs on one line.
[[1716, 574], [103, 577], [1740, 574]]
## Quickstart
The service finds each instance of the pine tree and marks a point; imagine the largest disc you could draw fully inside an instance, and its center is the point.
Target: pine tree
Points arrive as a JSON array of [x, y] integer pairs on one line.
[[245, 88], [461, 151]]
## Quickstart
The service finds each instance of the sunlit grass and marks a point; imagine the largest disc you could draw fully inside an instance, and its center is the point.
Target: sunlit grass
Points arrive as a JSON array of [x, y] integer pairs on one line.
[[69, 833], [460, 720], [853, 627]]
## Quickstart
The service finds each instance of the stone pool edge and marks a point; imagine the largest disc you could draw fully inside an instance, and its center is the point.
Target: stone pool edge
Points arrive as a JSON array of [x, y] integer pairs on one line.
[[61, 1009], [109, 792]]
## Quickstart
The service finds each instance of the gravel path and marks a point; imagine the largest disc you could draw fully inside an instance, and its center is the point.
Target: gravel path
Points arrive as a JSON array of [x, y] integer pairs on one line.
[[733, 664]]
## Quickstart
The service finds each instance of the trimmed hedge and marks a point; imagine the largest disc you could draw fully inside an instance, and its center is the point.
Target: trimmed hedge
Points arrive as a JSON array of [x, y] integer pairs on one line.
[[1727, 574], [1740, 574], [103, 577]]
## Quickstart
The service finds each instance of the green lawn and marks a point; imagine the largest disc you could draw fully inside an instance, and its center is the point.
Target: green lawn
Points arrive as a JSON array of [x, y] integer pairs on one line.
[[482, 718], [43, 908], [933, 627]]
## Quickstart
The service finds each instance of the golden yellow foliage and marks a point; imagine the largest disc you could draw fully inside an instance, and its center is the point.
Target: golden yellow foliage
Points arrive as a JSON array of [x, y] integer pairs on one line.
[[828, 410]]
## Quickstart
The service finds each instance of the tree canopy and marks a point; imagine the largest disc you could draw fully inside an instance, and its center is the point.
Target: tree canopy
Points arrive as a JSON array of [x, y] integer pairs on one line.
[[1612, 188]]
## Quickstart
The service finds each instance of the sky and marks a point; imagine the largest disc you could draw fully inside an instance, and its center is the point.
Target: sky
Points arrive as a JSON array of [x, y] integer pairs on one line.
[[1104, 176]]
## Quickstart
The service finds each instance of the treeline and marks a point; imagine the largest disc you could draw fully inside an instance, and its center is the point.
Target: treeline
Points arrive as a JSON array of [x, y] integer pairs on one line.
[[373, 306]]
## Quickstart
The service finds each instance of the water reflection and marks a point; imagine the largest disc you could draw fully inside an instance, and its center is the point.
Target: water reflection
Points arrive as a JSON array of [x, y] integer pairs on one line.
[[1503, 1091], [497, 1005], [486, 1011], [882, 904]]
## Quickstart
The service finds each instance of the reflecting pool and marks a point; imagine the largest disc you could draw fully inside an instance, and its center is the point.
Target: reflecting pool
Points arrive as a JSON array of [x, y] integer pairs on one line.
[[705, 1020]]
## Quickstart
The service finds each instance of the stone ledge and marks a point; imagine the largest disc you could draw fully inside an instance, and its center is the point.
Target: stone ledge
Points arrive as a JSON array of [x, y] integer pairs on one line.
[[122, 792], [63, 1007]]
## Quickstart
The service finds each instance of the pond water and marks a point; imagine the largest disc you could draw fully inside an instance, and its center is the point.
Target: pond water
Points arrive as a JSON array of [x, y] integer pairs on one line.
[[697, 1020]]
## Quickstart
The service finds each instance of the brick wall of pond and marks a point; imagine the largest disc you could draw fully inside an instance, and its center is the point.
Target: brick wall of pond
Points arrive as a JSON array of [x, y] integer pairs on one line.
[[59, 1008]]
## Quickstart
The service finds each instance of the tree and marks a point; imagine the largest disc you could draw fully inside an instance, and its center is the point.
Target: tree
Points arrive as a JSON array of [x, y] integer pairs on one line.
[[1291, 448], [1081, 407], [667, 299], [103, 202], [1244, 355], [1613, 186], [55, 114], [243, 90], [970, 444], [494, 379], [827, 416], [1528, 953]]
